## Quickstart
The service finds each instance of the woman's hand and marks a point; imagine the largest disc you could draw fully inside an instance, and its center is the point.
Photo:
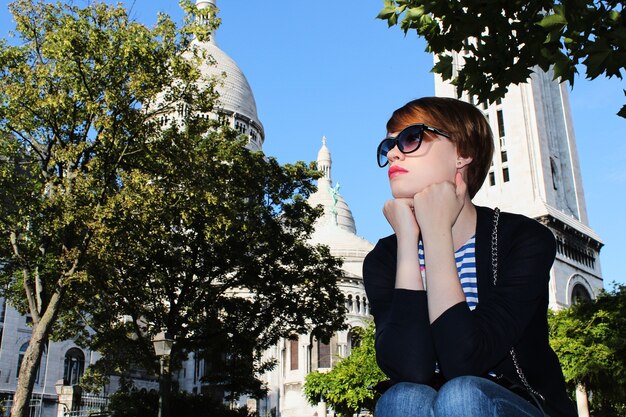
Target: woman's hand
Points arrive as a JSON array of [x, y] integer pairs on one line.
[[438, 206], [399, 213], [436, 209]]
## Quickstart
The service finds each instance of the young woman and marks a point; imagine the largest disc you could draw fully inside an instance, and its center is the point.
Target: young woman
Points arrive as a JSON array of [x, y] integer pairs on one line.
[[459, 293]]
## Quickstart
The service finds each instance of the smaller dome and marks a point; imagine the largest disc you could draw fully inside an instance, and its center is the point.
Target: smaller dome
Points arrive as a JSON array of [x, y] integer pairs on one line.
[[342, 242], [324, 153], [336, 228], [336, 210]]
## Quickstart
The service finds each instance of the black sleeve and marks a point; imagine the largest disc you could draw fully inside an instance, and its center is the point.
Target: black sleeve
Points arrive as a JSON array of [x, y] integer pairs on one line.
[[404, 347], [472, 343]]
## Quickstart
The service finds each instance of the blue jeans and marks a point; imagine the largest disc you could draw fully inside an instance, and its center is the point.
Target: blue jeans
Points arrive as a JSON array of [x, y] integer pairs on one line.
[[465, 396]]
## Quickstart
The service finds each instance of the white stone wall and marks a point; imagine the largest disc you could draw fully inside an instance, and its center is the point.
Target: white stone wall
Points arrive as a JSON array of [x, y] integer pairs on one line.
[[565, 274]]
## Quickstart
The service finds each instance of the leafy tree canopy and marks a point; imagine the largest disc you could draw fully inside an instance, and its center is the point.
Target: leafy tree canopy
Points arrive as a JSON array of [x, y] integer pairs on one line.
[[111, 220], [590, 340], [501, 42], [75, 107], [213, 250]]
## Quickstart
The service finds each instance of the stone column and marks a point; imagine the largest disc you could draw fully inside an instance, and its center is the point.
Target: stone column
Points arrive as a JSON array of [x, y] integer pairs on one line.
[[582, 402], [321, 409], [69, 398]]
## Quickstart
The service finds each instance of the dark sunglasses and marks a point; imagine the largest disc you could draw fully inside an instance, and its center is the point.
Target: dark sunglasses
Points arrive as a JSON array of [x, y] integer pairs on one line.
[[408, 140]]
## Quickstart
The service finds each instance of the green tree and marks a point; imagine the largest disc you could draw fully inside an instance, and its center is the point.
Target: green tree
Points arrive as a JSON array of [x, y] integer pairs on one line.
[[106, 216], [502, 42], [590, 340], [347, 387], [216, 254], [73, 112]]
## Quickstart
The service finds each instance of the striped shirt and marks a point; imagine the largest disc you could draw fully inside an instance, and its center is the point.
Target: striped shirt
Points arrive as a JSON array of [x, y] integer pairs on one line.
[[465, 258]]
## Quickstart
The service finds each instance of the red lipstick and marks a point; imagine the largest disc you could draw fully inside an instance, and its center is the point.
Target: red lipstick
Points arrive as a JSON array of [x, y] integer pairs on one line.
[[394, 171]]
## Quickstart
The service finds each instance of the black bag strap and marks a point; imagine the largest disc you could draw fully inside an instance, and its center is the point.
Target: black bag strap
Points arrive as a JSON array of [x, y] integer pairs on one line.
[[537, 398]]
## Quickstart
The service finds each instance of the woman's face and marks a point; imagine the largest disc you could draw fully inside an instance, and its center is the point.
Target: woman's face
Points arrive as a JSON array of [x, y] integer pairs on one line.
[[435, 161]]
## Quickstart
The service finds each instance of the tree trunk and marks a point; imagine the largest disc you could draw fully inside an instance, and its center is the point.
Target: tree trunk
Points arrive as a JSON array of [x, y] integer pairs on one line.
[[32, 356], [582, 401]]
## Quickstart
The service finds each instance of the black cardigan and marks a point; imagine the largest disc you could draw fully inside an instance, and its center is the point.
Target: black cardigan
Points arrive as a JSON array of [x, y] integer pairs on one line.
[[465, 342]]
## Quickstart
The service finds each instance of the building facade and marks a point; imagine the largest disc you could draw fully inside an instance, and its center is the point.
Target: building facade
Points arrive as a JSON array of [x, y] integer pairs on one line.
[[62, 363]]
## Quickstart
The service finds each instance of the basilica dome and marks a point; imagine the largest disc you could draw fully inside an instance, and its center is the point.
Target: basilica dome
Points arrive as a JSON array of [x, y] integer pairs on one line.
[[234, 90], [236, 100]]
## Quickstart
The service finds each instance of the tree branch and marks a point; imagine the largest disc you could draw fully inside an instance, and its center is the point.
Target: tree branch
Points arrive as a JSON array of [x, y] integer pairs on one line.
[[28, 286], [39, 288]]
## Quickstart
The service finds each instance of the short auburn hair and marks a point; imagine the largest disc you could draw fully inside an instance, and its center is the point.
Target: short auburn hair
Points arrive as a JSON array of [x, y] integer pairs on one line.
[[468, 129]]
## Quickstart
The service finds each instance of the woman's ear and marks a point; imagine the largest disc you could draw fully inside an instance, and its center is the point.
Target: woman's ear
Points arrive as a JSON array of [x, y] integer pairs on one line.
[[463, 161]]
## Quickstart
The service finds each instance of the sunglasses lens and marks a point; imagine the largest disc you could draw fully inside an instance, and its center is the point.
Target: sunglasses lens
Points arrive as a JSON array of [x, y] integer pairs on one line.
[[410, 139], [385, 146]]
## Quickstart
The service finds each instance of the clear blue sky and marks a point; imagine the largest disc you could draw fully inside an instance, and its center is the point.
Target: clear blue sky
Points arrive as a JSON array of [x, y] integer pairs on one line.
[[330, 68]]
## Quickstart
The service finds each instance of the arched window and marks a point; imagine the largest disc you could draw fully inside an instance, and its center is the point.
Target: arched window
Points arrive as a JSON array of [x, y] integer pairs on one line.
[[20, 358], [74, 366], [293, 353], [198, 367], [555, 171], [580, 293], [354, 339], [323, 354]]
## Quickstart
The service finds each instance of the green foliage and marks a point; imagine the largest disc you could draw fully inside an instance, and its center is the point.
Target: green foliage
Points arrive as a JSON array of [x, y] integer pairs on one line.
[[77, 104], [133, 226], [590, 340], [346, 388], [145, 404], [502, 42], [214, 250], [74, 108]]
